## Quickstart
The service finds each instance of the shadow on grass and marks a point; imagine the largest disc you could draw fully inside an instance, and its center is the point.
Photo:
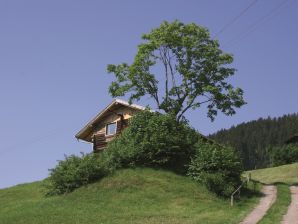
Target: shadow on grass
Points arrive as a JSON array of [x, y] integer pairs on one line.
[[249, 193], [250, 190]]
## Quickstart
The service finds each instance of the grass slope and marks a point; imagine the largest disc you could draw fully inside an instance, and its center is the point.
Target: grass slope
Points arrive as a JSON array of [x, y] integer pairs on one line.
[[128, 196], [287, 174]]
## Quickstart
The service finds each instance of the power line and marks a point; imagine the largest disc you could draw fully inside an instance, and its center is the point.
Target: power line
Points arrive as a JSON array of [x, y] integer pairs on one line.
[[31, 142], [275, 11], [235, 18]]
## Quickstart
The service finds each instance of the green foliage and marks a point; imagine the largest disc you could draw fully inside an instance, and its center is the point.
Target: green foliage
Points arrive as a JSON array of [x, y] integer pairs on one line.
[[218, 167], [254, 139], [73, 172], [154, 140], [286, 154], [195, 72]]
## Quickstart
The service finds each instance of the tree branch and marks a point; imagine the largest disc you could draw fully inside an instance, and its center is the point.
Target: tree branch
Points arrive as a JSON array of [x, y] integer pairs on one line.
[[162, 52], [190, 105], [173, 75]]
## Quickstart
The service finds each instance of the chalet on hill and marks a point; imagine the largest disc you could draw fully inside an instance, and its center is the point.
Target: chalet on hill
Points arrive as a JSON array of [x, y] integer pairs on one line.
[[108, 123], [292, 140]]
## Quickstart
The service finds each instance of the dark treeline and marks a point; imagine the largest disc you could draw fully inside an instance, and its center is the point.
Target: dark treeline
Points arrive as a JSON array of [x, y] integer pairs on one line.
[[254, 139]]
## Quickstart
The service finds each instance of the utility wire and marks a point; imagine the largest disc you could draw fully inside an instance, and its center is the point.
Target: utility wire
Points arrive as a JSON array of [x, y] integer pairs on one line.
[[275, 11], [235, 18], [31, 142]]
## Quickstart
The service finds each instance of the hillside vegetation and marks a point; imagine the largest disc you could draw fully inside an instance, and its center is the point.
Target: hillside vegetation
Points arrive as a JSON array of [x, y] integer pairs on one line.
[[287, 174], [157, 141], [128, 196], [253, 139]]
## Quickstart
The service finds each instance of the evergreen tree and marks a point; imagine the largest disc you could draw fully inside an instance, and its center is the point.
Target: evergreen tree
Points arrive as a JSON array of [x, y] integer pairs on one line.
[[253, 139]]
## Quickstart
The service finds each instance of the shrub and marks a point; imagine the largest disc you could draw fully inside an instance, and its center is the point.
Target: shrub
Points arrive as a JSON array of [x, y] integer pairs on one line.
[[75, 171], [217, 167], [154, 140], [286, 154]]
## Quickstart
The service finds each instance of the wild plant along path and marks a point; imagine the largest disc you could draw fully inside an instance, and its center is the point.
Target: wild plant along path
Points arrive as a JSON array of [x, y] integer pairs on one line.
[[292, 215], [265, 203]]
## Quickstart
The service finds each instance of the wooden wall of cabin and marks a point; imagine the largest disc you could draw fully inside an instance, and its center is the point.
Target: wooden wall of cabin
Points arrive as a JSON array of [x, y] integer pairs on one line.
[[100, 138]]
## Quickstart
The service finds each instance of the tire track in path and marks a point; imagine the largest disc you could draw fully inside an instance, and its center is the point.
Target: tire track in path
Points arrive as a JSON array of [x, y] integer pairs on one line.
[[292, 215], [265, 203]]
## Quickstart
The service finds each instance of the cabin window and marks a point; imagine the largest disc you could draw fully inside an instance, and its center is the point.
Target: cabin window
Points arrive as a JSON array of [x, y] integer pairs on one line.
[[111, 128]]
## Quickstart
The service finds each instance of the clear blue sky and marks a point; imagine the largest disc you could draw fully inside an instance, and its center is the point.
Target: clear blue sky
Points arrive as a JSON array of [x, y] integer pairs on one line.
[[53, 57]]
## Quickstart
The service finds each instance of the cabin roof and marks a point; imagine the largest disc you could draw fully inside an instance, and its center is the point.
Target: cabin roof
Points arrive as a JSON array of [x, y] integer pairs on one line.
[[87, 129], [293, 139]]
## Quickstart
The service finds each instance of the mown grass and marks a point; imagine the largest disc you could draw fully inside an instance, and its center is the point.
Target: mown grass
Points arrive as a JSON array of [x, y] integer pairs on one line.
[[287, 174], [279, 208], [128, 196]]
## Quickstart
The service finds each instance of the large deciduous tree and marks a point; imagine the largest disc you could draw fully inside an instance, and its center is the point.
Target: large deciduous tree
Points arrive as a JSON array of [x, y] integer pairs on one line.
[[180, 67]]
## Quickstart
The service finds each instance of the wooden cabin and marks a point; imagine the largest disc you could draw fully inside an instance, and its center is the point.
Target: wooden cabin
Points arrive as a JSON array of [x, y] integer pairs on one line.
[[108, 124]]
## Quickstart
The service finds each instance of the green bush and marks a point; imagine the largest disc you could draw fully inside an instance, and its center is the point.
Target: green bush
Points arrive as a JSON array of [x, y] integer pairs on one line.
[[75, 171], [217, 167], [154, 140], [286, 154]]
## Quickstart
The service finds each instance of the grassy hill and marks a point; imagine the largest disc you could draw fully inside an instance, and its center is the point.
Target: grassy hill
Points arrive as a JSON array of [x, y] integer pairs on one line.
[[128, 196], [287, 174]]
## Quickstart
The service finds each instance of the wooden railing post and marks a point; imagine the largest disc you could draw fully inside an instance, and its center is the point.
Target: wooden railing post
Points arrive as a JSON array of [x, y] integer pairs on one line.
[[248, 177], [245, 182], [232, 200]]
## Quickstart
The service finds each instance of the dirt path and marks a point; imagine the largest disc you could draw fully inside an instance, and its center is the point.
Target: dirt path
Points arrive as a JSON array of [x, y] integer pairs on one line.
[[292, 215], [265, 203]]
